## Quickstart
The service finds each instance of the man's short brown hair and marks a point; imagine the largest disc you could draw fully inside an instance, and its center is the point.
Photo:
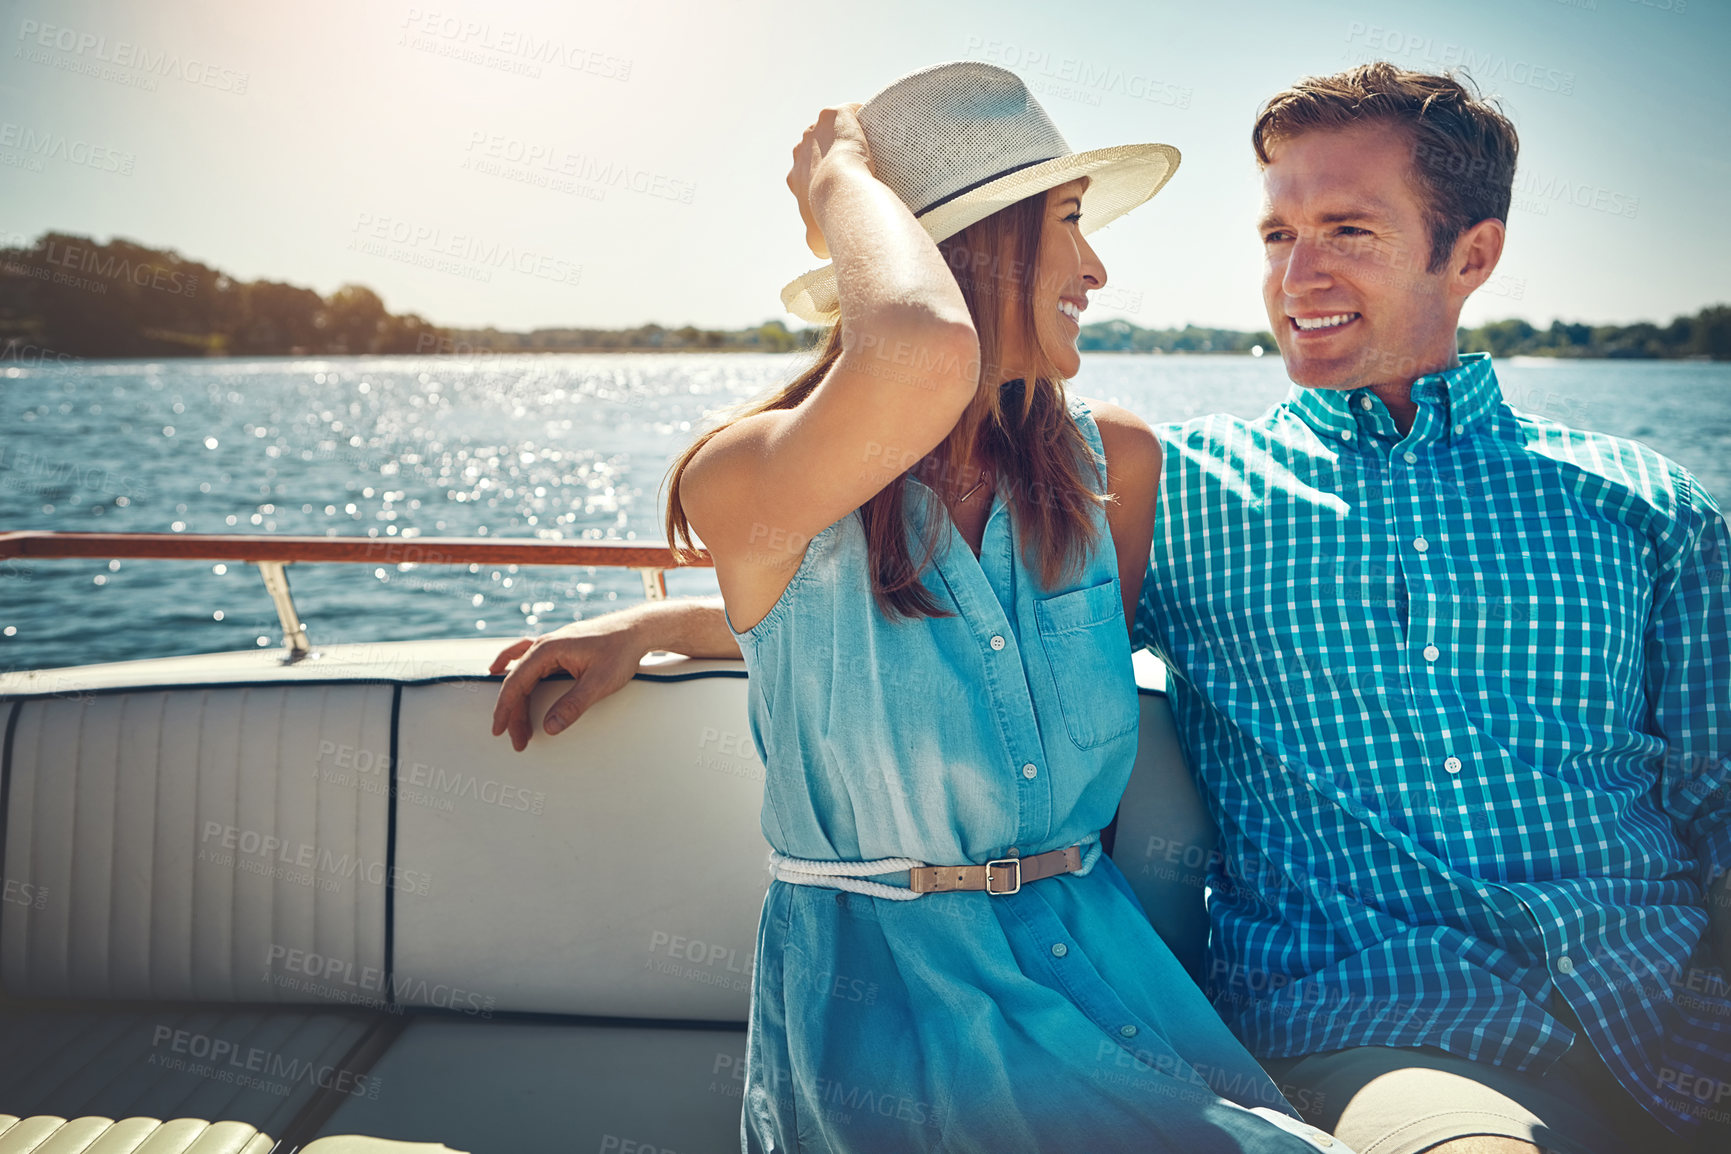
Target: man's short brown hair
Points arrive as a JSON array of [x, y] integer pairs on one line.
[[1463, 147]]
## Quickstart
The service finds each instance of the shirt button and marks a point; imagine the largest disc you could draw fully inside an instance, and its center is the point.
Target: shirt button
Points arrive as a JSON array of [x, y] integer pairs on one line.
[[997, 641], [1059, 949], [1420, 544], [1364, 403], [1565, 965], [1012, 852], [1431, 653], [1127, 1031], [1346, 434], [1459, 429], [1453, 765], [1028, 771], [1409, 458]]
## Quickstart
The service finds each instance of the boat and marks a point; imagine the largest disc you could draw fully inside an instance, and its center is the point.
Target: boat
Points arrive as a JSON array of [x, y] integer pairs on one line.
[[302, 900]]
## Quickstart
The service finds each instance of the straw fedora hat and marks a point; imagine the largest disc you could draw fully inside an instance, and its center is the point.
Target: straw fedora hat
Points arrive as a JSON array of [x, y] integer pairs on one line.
[[959, 141]]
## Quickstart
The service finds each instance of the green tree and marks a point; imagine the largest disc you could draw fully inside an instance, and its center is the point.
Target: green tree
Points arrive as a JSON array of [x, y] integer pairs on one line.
[[354, 320]]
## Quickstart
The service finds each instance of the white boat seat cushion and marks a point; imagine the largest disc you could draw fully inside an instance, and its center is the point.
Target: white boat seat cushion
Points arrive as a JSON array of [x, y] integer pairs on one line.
[[173, 844], [616, 869], [236, 844]]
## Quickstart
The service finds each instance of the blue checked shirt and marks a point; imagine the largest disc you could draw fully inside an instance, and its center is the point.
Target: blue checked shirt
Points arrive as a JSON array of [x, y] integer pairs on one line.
[[1460, 703]]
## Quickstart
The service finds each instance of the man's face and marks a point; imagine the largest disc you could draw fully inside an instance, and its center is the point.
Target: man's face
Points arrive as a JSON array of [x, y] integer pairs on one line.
[[1348, 297]]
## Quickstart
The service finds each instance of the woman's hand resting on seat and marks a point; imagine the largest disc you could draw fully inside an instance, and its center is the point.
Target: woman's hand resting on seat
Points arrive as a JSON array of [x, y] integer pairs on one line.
[[601, 655]]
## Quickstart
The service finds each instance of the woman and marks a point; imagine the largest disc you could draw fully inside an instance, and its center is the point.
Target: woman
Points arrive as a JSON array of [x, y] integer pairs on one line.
[[928, 575]]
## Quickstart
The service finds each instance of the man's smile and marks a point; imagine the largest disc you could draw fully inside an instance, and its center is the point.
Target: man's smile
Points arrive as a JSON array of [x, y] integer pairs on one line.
[[1322, 325]]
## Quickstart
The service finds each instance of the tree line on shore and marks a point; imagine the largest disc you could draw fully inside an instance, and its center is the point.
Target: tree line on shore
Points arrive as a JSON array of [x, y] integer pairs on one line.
[[66, 296], [1704, 336], [69, 296]]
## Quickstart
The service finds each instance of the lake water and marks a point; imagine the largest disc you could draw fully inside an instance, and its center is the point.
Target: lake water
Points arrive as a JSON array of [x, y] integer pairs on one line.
[[573, 447]]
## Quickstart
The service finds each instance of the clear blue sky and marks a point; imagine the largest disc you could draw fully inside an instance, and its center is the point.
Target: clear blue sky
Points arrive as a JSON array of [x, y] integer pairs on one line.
[[357, 140]]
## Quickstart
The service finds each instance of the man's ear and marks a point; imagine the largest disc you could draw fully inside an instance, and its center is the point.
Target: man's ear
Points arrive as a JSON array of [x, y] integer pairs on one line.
[[1475, 257]]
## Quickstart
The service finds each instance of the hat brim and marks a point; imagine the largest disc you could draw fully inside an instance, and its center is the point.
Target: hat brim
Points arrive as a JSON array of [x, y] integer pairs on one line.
[[1119, 179]]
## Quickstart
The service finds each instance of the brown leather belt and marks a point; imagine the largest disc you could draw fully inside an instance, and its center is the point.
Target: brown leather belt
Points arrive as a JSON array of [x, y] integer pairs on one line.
[[999, 877]]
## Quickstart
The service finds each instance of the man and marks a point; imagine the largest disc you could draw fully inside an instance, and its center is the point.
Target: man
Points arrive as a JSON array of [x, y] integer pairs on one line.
[[1455, 682]]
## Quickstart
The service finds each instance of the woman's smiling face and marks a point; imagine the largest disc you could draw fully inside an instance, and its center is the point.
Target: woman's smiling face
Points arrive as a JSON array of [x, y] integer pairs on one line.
[[1065, 270]]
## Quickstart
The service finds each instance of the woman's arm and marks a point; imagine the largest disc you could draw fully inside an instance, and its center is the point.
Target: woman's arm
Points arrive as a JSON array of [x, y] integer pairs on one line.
[[1133, 464], [763, 486], [601, 655]]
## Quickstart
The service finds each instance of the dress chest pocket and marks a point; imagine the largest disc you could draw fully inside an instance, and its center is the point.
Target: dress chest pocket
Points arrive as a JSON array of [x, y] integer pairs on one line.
[[1088, 650]]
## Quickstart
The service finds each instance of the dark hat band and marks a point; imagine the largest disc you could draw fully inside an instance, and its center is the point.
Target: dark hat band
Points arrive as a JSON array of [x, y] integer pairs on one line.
[[985, 180]]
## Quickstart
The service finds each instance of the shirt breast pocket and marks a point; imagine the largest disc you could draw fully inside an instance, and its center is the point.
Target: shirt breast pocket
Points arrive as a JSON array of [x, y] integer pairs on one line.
[[1088, 650]]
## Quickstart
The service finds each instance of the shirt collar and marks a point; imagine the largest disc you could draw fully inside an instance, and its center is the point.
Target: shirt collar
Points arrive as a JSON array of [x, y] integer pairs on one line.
[[1455, 402]]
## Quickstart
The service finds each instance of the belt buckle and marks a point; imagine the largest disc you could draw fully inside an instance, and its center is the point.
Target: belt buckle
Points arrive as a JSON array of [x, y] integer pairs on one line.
[[1004, 861]]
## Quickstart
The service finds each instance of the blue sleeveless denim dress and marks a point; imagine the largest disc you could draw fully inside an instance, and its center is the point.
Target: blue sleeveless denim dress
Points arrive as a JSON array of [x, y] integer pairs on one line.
[[1050, 1019]]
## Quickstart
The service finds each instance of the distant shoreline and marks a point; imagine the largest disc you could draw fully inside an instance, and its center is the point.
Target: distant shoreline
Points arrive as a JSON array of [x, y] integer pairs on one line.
[[65, 299]]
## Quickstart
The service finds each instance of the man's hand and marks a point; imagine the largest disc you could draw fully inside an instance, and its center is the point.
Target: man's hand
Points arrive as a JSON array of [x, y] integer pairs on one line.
[[600, 655]]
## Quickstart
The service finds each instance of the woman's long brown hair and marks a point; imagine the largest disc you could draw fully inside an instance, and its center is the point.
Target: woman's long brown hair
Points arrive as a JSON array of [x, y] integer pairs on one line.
[[1024, 432]]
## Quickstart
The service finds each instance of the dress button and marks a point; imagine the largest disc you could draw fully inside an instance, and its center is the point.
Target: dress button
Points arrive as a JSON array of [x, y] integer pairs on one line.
[[1409, 458], [1420, 544], [1364, 403], [1565, 965], [997, 641], [1127, 1031], [1431, 653], [1453, 765], [1028, 771], [1059, 949]]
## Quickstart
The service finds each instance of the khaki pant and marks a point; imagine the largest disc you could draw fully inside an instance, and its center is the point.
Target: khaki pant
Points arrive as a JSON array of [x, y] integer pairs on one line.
[[1382, 1100]]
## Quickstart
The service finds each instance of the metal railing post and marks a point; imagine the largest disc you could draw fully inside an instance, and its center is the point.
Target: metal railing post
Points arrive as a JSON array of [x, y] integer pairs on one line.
[[294, 634]]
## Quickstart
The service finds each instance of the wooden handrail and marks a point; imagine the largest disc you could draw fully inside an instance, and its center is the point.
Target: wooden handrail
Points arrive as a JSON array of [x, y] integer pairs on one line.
[[254, 547], [270, 552]]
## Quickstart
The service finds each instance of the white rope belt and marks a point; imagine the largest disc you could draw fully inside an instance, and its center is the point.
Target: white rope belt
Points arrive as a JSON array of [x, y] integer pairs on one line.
[[851, 875]]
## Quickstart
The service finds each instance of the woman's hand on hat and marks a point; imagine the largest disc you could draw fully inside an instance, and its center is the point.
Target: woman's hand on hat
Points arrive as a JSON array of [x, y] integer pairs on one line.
[[835, 141]]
